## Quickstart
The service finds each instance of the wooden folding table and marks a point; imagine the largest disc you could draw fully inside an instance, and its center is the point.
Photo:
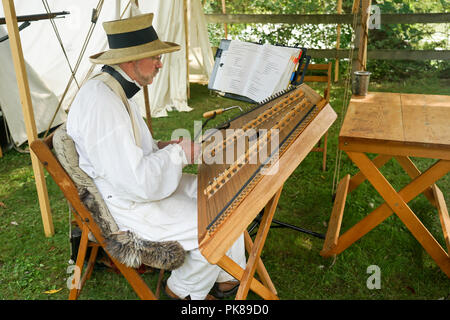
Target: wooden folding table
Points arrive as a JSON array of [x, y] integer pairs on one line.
[[399, 126]]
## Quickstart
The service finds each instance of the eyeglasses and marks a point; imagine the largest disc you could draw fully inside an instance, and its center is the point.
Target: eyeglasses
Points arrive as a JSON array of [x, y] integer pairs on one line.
[[157, 58]]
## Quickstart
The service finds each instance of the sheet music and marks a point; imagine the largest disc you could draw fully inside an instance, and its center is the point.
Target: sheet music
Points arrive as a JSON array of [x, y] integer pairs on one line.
[[271, 67], [255, 71], [234, 67]]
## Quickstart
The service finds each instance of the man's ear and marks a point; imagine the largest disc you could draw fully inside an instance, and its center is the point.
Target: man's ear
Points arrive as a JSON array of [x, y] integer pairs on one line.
[[128, 67]]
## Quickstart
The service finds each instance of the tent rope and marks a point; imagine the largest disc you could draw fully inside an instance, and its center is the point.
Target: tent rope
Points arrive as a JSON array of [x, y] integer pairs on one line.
[[91, 68], [58, 37], [95, 15], [345, 103]]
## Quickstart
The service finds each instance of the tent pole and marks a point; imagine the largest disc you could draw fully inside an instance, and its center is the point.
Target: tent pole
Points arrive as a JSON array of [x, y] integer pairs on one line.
[[148, 113], [362, 53], [224, 11], [186, 33], [27, 108], [338, 42], [147, 110]]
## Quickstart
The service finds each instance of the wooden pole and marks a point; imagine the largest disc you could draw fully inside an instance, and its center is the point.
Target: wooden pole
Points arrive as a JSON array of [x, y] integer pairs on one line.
[[147, 110], [224, 11], [27, 109], [186, 33], [362, 52], [361, 34], [148, 113], [355, 11], [355, 6], [338, 42]]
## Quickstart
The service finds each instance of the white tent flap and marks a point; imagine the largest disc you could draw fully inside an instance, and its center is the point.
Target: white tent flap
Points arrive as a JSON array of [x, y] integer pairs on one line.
[[47, 62], [43, 99]]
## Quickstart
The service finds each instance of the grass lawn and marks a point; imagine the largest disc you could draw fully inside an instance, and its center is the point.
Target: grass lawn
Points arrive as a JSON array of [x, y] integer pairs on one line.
[[32, 265]]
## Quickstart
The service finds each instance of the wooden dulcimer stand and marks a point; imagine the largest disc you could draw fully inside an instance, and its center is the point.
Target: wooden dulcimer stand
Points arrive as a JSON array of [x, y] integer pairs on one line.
[[232, 190]]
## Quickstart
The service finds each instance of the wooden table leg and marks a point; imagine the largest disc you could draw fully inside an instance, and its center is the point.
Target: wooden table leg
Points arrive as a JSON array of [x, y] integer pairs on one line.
[[397, 203], [359, 178], [411, 169], [378, 215]]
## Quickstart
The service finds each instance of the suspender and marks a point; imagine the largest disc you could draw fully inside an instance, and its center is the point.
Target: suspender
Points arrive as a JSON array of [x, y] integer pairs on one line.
[[115, 86]]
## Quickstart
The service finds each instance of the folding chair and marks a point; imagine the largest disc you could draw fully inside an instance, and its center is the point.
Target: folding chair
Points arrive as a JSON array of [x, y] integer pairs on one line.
[[125, 249], [323, 77]]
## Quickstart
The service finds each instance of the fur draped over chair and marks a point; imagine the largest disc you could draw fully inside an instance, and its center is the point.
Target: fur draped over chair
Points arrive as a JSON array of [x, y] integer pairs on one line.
[[125, 246]]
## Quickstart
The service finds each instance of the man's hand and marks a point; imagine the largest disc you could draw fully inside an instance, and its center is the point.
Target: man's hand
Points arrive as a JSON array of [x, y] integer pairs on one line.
[[163, 144], [191, 149]]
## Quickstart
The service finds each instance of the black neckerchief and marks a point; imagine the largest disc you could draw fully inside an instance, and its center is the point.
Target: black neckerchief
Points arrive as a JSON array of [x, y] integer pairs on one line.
[[130, 88]]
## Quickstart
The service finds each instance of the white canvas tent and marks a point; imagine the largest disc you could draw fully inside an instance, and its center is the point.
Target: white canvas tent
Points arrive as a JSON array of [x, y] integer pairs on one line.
[[49, 73], [34, 55], [43, 98]]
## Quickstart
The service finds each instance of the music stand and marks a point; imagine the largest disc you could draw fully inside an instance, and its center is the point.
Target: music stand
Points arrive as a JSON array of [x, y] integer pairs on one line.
[[281, 224]]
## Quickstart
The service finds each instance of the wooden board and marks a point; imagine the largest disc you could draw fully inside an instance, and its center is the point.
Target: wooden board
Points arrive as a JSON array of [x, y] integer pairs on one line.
[[375, 117], [398, 124], [426, 119]]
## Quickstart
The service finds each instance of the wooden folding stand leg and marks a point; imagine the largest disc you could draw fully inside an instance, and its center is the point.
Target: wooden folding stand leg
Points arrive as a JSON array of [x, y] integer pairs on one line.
[[254, 263], [396, 202]]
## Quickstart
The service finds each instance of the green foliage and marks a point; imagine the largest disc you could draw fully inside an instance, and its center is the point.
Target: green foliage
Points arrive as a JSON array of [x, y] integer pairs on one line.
[[396, 36], [405, 36]]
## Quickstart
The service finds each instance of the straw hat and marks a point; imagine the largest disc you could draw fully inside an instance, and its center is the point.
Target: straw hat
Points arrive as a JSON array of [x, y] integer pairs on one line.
[[132, 39]]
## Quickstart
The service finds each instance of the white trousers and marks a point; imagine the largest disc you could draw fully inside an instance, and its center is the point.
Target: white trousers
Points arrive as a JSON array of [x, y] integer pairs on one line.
[[197, 276]]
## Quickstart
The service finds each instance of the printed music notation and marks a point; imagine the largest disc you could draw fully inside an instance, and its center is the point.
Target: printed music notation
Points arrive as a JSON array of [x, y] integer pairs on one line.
[[255, 71]]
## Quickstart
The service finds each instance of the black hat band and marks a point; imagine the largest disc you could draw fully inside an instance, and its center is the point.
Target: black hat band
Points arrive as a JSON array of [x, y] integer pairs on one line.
[[131, 39]]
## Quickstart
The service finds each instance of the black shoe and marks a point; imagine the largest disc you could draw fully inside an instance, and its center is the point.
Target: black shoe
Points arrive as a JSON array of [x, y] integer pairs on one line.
[[219, 294]]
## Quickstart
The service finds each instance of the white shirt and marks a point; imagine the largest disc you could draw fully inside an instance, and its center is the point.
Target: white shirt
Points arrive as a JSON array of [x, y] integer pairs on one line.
[[142, 186]]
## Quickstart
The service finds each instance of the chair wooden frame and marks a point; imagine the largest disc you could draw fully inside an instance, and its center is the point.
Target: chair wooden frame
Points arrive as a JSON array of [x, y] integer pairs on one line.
[[85, 221], [326, 94]]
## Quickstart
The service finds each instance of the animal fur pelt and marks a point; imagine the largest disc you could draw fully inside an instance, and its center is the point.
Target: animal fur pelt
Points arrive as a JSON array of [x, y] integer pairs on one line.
[[126, 247], [130, 249]]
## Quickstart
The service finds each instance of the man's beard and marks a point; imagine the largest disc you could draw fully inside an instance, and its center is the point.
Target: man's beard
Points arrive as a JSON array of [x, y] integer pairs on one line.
[[142, 79]]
